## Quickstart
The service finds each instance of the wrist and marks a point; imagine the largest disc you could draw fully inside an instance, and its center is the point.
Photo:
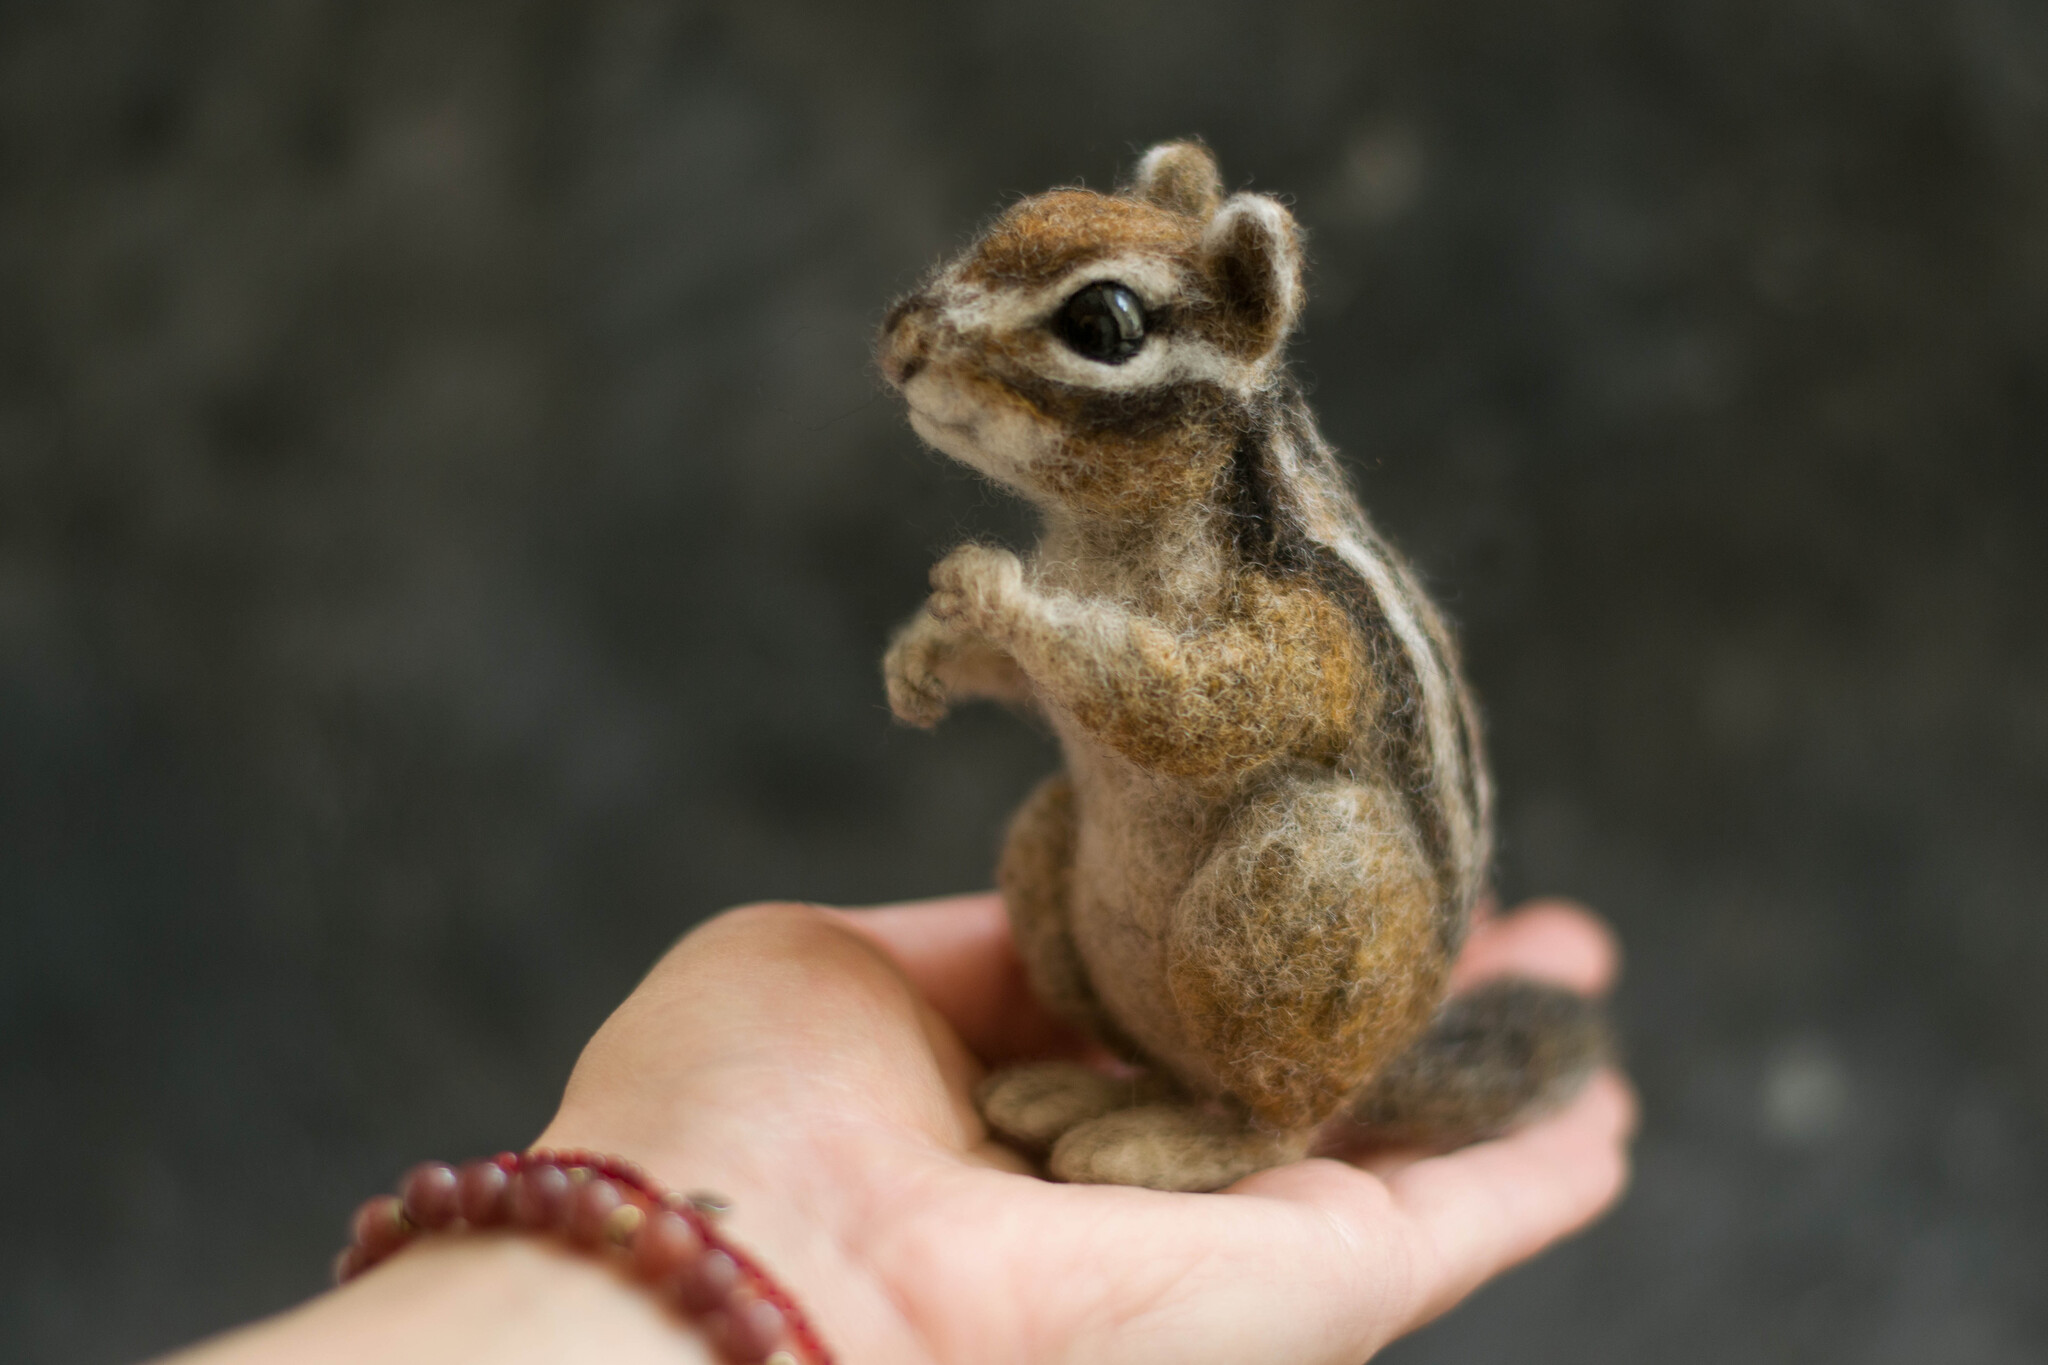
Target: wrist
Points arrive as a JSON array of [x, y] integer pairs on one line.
[[792, 1211], [501, 1298]]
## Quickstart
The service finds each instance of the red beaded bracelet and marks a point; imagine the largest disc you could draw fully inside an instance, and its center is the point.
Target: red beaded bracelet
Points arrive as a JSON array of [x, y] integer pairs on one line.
[[610, 1206]]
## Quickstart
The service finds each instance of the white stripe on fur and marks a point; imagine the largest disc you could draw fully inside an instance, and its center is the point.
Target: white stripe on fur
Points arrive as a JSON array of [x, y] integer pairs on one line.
[[1439, 705]]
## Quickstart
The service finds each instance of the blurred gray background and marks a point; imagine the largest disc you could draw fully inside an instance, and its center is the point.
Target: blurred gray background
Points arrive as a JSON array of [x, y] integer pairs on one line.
[[448, 524]]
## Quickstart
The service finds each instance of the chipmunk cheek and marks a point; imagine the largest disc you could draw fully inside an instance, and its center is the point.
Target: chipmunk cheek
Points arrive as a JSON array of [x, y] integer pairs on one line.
[[1005, 451]]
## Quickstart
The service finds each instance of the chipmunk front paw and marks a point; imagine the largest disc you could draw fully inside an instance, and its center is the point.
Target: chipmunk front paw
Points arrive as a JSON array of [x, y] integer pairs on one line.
[[917, 694], [976, 587]]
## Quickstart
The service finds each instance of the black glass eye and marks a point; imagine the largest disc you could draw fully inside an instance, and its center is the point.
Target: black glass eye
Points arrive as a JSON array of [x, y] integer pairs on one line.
[[1104, 322]]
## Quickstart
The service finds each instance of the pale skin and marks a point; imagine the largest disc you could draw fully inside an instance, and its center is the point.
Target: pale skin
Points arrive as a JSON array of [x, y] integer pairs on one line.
[[817, 1067]]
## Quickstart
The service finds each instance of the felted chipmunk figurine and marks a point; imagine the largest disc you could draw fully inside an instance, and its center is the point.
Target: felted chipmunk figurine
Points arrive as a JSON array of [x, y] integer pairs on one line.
[[1273, 823]]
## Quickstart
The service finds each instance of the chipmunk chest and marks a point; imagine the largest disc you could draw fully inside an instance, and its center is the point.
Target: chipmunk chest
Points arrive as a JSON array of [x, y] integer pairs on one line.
[[1138, 841], [1178, 582], [1140, 835]]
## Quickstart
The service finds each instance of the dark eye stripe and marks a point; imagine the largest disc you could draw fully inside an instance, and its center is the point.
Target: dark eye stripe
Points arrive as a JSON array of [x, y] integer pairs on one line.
[[1103, 322]]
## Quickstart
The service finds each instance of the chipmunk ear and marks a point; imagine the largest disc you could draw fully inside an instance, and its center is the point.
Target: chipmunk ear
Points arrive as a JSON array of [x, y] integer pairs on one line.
[[1252, 252], [1180, 177]]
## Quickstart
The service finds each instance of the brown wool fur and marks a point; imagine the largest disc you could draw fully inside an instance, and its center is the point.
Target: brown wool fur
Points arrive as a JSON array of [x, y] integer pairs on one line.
[[1273, 821]]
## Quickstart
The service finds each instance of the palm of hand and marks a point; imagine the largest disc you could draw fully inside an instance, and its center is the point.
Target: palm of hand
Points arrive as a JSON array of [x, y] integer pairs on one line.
[[818, 1066]]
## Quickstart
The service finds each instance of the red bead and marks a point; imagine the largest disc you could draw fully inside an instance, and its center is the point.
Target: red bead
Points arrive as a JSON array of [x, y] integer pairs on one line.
[[540, 1197], [753, 1328], [707, 1284], [601, 1202], [429, 1193], [665, 1247], [480, 1189], [380, 1226], [590, 1204]]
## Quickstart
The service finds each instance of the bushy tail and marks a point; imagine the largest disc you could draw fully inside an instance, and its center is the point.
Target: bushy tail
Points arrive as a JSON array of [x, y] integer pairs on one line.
[[1493, 1057]]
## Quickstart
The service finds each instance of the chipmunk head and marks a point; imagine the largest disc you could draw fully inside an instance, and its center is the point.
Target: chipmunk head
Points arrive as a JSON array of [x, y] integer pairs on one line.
[[1098, 352]]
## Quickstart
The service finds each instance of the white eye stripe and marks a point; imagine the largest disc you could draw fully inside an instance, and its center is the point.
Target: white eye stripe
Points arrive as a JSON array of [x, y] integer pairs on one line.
[[978, 312], [1155, 282], [974, 306], [1165, 361]]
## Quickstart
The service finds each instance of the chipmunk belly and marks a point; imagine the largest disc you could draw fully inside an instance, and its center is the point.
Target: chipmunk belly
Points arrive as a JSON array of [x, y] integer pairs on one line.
[[1139, 839]]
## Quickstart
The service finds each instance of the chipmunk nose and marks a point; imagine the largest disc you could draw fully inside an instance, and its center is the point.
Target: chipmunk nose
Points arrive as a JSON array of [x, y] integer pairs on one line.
[[904, 345]]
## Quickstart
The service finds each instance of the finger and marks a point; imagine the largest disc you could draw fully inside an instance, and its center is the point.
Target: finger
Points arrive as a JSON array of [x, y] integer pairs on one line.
[[1436, 1229], [1319, 1261], [1476, 1212], [1558, 941], [957, 951]]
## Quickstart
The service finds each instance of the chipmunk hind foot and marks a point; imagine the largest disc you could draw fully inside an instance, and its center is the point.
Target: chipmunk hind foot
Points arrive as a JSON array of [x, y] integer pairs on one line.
[[1034, 1105], [1171, 1147], [1493, 1057]]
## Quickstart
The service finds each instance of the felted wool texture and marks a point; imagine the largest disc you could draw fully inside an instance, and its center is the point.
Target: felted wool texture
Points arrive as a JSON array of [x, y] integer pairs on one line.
[[1036, 1105], [1274, 814], [1493, 1057]]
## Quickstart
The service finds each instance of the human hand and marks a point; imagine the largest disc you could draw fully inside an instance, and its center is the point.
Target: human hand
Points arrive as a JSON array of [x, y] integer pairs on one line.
[[817, 1067]]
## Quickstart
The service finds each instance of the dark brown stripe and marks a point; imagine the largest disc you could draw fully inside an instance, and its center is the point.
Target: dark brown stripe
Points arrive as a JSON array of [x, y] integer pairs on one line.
[[1271, 536], [1265, 526], [1091, 412]]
